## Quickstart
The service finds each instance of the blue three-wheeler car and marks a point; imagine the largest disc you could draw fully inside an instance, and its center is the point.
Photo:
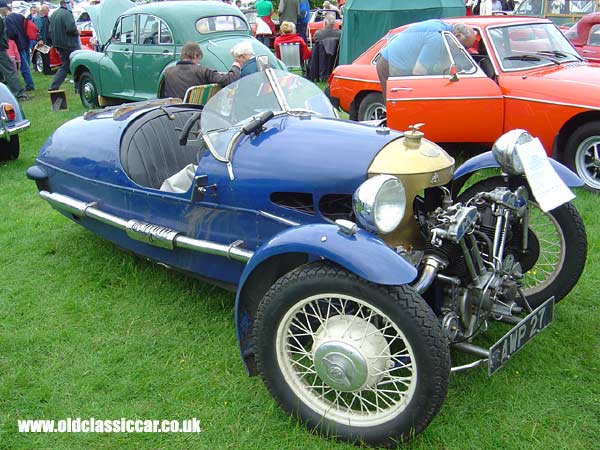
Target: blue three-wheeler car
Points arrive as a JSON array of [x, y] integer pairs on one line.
[[357, 257]]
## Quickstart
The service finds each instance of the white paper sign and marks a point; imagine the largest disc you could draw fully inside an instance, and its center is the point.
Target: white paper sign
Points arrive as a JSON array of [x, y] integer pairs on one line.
[[548, 188]]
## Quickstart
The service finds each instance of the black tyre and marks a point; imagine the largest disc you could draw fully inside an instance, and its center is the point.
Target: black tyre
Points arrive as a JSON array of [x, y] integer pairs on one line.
[[372, 107], [583, 154], [351, 359], [559, 240], [88, 92], [9, 150], [38, 62]]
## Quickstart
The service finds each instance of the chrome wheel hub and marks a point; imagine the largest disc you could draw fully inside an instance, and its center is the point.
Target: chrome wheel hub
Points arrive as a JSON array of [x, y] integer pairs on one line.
[[350, 353], [88, 91], [587, 161]]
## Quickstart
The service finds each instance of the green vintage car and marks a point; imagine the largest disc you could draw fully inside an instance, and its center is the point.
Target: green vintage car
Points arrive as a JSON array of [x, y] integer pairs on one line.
[[139, 42]]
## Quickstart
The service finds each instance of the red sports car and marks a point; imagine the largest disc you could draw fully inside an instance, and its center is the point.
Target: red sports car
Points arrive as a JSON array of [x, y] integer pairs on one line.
[[524, 73], [585, 36]]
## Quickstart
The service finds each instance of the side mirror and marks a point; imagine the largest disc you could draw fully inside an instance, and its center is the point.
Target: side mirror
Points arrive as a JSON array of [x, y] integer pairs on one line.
[[453, 73]]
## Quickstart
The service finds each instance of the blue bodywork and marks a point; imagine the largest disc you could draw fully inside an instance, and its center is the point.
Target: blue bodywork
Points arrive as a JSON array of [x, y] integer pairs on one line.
[[82, 160]]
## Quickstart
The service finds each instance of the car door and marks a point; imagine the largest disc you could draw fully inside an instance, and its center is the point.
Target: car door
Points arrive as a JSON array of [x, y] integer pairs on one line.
[[466, 107], [154, 50], [117, 78], [591, 50]]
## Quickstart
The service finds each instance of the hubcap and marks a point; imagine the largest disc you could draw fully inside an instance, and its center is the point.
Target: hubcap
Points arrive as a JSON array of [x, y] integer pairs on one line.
[[587, 161], [350, 354], [39, 62], [88, 92]]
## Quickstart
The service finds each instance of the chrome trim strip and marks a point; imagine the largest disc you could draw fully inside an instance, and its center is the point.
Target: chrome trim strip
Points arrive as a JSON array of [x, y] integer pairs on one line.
[[550, 102], [278, 219], [151, 234], [412, 99], [355, 79]]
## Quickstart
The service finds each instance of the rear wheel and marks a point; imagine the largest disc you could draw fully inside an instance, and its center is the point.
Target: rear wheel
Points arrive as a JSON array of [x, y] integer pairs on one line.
[[38, 62], [9, 150], [351, 359], [88, 93], [372, 107], [583, 154]]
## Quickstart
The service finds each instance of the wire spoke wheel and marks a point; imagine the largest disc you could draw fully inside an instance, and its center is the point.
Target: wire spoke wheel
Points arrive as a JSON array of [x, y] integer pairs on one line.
[[349, 358], [551, 254], [346, 359]]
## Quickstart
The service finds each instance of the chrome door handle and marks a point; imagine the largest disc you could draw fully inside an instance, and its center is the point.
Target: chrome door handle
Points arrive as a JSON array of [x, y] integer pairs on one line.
[[396, 89], [588, 51], [167, 53]]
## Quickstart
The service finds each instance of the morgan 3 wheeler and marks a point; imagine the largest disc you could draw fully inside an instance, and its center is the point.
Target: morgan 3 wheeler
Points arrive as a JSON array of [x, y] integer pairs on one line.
[[359, 255]]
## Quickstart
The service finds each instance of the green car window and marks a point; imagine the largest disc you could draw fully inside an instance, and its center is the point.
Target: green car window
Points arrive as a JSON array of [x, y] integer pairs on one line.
[[215, 24], [124, 30]]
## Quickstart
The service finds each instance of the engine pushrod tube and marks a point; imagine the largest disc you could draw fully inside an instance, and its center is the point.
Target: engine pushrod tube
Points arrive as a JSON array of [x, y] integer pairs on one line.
[[83, 209], [476, 254], [468, 260]]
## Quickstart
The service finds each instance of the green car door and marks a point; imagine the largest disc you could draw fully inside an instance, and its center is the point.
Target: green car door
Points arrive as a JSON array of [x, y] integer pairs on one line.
[[154, 50], [117, 78]]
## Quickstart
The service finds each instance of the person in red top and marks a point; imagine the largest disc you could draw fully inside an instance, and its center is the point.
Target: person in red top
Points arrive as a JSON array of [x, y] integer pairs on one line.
[[289, 36]]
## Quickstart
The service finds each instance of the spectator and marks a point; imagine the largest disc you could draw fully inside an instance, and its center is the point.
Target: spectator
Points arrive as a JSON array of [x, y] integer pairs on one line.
[[42, 22], [265, 28], [33, 14], [328, 30], [188, 72], [289, 11], [418, 49], [289, 36], [303, 18], [16, 31], [13, 55], [244, 54], [65, 39], [6, 68], [328, 5]]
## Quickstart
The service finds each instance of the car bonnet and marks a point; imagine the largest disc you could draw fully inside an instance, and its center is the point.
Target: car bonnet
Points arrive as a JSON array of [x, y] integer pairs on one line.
[[104, 16]]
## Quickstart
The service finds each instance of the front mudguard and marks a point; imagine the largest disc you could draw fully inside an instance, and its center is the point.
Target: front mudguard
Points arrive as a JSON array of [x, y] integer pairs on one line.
[[486, 161], [363, 254]]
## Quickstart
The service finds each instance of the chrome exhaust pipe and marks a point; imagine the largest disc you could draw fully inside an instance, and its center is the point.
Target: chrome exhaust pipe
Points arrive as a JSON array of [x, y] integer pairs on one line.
[[432, 265]]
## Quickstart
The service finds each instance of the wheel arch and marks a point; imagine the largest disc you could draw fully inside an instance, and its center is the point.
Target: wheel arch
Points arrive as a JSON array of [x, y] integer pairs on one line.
[[300, 245], [358, 98], [559, 150]]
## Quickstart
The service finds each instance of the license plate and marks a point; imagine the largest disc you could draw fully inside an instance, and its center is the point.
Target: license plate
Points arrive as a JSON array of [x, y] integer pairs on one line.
[[521, 334]]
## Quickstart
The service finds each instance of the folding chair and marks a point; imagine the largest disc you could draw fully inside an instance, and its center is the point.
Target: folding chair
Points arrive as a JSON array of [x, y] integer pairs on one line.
[[290, 55], [200, 95]]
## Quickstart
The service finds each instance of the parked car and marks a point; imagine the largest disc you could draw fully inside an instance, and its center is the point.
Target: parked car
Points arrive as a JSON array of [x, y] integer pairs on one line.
[[357, 263], [315, 22], [561, 12], [12, 122], [144, 40], [525, 74], [585, 36]]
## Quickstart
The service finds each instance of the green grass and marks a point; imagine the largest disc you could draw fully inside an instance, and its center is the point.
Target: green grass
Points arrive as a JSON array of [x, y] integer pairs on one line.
[[89, 330]]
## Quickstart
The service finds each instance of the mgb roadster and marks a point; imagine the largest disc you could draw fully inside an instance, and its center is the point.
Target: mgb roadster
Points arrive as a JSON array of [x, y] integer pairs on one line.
[[359, 255]]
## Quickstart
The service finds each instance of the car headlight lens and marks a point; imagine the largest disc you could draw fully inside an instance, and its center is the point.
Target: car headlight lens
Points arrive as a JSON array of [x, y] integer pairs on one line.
[[505, 150], [379, 204]]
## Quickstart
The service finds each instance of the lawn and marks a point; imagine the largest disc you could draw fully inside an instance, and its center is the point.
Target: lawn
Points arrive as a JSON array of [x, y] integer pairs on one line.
[[88, 330]]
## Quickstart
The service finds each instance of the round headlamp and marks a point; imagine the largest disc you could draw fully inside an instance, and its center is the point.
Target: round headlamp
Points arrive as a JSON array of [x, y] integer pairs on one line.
[[379, 203], [505, 150]]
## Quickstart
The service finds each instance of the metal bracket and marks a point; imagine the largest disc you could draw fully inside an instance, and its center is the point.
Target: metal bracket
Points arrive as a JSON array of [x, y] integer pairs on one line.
[[201, 188]]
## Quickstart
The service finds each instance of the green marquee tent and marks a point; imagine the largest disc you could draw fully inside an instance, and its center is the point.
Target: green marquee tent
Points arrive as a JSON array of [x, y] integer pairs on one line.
[[365, 21]]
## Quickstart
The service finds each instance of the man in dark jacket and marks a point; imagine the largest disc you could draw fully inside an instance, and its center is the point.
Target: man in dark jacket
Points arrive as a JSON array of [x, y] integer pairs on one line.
[[328, 30], [65, 39], [187, 72], [6, 68], [15, 30]]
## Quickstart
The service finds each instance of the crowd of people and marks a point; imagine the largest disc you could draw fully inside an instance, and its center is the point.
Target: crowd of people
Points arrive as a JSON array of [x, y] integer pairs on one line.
[[19, 35]]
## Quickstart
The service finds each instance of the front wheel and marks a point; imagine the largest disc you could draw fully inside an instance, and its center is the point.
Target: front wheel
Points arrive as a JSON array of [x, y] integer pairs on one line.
[[583, 154], [9, 150], [88, 93], [558, 241], [351, 359], [372, 107], [38, 62]]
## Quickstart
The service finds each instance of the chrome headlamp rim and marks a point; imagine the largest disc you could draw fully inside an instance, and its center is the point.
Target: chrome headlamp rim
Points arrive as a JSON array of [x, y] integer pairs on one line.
[[505, 150], [366, 203]]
